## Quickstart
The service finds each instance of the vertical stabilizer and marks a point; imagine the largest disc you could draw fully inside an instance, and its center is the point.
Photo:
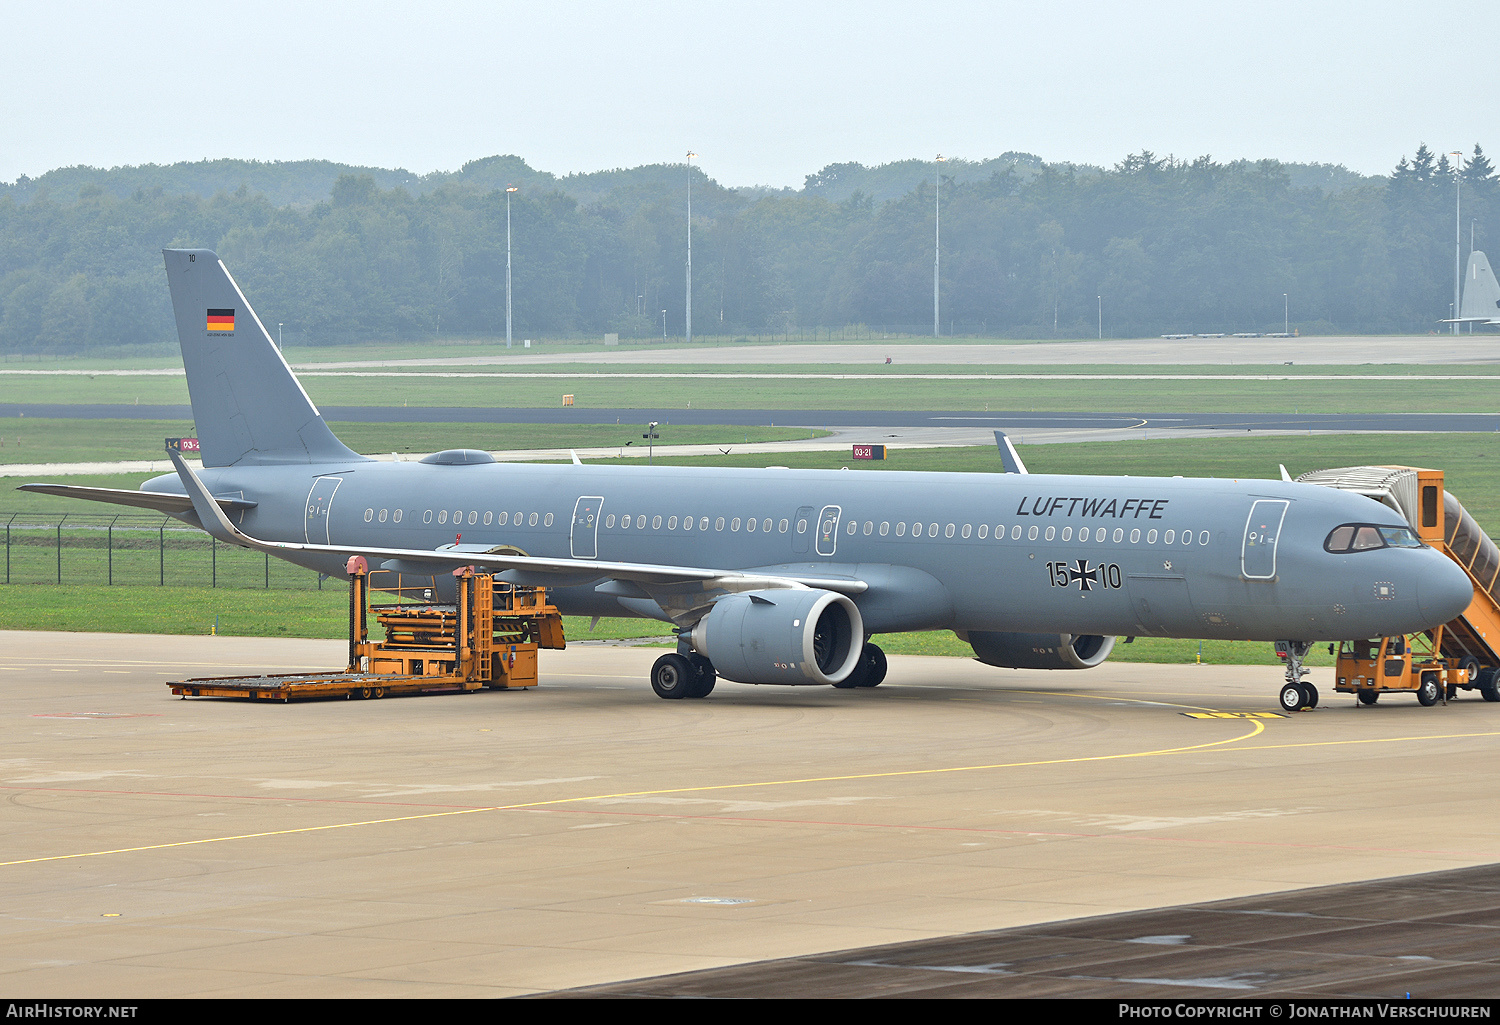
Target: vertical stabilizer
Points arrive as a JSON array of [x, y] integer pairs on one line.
[[248, 406], [1481, 299]]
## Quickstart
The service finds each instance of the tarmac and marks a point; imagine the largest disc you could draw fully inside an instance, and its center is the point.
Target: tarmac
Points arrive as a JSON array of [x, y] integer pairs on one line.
[[588, 833]]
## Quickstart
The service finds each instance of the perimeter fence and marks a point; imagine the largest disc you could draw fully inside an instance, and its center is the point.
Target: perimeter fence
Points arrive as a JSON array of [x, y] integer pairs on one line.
[[137, 549]]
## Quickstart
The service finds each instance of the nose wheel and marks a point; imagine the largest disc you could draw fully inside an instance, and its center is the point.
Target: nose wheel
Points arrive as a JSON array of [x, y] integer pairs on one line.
[[1296, 694]]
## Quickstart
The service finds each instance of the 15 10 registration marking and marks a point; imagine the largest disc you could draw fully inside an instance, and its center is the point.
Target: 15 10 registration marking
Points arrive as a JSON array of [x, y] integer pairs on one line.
[[1087, 575]]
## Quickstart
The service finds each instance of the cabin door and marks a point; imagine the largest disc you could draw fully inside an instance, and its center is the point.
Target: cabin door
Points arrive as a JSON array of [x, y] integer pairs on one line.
[[1262, 531], [319, 503], [585, 536], [828, 530]]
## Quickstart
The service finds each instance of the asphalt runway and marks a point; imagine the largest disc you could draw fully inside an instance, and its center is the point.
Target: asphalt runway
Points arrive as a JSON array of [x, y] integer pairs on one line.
[[590, 833], [999, 419], [1483, 347]]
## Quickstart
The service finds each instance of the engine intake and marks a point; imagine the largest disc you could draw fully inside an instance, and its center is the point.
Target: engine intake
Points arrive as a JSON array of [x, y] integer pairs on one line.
[[791, 636], [1040, 651]]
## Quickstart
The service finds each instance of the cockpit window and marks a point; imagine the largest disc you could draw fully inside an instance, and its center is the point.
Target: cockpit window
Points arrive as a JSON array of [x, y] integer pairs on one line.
[[1366, 537]]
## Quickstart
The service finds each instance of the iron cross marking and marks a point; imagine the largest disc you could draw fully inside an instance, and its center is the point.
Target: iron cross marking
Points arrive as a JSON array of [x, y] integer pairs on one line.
[[1083, 576]]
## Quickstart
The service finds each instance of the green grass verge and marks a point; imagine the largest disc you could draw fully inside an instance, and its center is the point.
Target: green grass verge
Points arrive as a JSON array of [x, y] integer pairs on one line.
[[43, 440], [324, 614]]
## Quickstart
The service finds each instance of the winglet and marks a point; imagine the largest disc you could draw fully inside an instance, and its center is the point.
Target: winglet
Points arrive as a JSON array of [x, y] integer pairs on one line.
[[576, 460], [1008, 457], [1284, 475]]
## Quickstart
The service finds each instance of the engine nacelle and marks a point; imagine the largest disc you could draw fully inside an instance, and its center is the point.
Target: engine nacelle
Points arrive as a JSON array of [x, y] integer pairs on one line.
[[1040, 651], [790, 636]]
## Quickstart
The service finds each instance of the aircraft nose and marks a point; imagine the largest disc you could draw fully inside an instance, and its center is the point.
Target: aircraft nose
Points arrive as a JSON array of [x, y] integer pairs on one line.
[[1443, 591]]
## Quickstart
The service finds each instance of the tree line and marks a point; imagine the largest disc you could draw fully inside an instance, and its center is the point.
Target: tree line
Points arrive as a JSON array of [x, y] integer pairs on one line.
[[1028, 248]]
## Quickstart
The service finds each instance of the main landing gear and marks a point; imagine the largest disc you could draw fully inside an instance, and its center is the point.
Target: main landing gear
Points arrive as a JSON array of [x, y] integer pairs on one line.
[[690, 675], [869, 671], [683, 676], [1296, 693]]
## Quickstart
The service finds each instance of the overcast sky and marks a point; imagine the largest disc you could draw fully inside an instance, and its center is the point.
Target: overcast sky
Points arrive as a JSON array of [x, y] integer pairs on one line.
[[766, 92]]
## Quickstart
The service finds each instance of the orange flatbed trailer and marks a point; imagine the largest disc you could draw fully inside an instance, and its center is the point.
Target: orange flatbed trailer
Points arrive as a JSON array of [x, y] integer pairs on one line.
[[488, 639]]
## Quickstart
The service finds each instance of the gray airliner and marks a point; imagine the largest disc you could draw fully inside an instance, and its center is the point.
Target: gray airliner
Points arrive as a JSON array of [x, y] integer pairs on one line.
[[780, 576]]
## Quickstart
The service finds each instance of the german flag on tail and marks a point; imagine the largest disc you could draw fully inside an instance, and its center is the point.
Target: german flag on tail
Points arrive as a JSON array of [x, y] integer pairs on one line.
[[221, 320]]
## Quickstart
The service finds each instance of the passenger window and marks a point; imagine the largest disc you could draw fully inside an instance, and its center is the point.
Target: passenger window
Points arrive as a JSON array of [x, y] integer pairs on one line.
[[932, 529], [869, 527], [766, 525], [901, 529], [703, 523], [382, 516], [1151, 537], [505, 516], [396, 516], [1099, 534], [427, 516], [1031, 534], [885, 527], [1203, 537], [488, 517], [750, 524], [531, 520], [458, 516], [984, 531], [783, 525], [640, 521], [965, 532], [609, 521], [1015, 533], [517, 517], [851, 528], [369, 515], [442, 515], [734, 524], [1119, 534], [1169, 537], [473, 517], [948, 530], [672, 523], [1067, 534], [1187, 537], [655, 522], [719, 523], [546, 522], [624, 522]]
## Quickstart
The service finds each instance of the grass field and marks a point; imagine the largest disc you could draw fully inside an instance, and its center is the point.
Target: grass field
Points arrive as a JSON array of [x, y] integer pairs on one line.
[[311, 613], [663, 390], [46, 440]]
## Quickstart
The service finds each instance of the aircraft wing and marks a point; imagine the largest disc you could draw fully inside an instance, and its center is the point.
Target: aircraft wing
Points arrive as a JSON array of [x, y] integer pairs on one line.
[[169, 504], [683, 593]]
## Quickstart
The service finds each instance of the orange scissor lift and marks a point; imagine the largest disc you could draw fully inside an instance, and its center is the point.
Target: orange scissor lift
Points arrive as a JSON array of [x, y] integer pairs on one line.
[[488, 638], [1460, 655]]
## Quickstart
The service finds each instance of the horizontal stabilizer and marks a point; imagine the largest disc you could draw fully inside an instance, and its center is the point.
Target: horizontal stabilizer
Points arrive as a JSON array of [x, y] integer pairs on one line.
[[170, 504]]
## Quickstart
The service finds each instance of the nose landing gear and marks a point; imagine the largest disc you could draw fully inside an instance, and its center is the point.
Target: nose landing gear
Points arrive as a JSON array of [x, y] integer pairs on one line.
[[1296, 694]]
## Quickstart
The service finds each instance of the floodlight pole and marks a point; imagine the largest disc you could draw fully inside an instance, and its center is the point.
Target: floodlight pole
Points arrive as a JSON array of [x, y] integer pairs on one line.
[[937, 240], [689, 328], [1458, 274], [508, 190], [1101, 316], [278, 336], [1286, 314]]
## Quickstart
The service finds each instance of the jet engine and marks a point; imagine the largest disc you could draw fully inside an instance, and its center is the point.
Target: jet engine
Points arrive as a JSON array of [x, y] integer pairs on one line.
[[1040, 651], [787, 636]]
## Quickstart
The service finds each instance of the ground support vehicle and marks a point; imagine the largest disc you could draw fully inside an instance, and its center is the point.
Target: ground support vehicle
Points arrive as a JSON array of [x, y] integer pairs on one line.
[[1463, 654], [488, 639]]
